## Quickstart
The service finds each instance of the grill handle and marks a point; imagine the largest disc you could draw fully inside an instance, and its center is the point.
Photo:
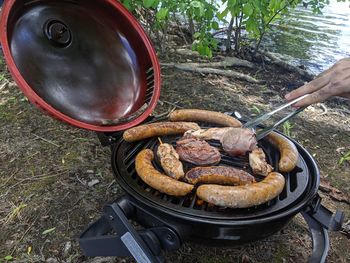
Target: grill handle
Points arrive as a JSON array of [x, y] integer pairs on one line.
[[113, 235], [319, 220]]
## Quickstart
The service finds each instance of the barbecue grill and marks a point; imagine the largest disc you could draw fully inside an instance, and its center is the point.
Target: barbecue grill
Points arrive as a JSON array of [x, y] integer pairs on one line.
[[169, 221], [98, 71]]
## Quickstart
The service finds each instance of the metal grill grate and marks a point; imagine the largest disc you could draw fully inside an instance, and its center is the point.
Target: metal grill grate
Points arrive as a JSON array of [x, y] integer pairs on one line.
[[297, 182]]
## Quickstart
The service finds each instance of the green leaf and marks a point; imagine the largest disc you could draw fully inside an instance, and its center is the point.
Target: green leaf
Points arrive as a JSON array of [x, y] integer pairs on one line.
[[197, 35], [162, 13], [127, 4], [248, 9], [47, 231], [215, 25], [8, 258], [195, 4], [223, 14], [148, 3]]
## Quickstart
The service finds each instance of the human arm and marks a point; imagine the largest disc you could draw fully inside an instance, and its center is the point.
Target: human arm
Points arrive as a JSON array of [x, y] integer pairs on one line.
[[333, 82]]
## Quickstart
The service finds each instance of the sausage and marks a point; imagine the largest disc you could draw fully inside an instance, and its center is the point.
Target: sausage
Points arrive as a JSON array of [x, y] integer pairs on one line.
[[243, 196], [158, 129], [218, 175], [205, 116], [288, 151], [156, 179]]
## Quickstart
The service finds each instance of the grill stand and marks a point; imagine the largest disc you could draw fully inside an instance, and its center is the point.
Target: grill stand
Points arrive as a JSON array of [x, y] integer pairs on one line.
[[114, 235]]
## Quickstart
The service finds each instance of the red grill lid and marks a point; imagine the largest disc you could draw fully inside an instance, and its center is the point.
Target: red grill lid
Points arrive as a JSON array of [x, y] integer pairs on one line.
[[86, 62]]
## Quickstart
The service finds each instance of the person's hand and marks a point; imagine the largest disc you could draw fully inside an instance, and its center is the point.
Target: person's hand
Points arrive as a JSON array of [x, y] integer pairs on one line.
[[332, 82]]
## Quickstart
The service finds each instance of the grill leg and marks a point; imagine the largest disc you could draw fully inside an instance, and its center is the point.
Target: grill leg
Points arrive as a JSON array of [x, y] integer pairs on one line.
[[320, 240], [97, 240]]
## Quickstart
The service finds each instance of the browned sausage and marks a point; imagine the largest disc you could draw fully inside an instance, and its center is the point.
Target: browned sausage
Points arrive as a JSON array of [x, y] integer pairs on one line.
[[243, 196], [157, 180], [205, 116], [158, 129], [218, 175], [288, 151]]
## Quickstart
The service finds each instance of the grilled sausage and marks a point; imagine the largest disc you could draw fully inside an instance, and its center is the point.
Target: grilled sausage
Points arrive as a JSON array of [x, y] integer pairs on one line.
[[218, 175], [158, 129], [288, 151], [205, 116], [157, 180], [243, 196]]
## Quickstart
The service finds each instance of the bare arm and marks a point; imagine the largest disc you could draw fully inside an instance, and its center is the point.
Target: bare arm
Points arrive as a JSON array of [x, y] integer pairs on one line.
[[333, 82]]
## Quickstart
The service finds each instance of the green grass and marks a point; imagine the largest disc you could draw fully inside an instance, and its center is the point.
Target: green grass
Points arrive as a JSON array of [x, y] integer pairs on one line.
[[345, 157], [287, 128]]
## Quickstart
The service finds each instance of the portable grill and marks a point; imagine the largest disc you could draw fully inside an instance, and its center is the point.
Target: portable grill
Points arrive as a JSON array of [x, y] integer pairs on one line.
[[169, 221], [89, 63]]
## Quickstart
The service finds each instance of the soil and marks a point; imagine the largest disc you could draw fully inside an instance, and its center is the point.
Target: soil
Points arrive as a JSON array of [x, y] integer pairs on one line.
[[55, 179]]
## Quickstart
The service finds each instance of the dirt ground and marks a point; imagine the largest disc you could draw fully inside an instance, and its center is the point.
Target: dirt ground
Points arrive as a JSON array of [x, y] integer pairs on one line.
[[55, 179]]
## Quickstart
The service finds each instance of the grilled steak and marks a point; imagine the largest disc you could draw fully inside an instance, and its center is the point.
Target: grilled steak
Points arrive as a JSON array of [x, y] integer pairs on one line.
[[197, 151]]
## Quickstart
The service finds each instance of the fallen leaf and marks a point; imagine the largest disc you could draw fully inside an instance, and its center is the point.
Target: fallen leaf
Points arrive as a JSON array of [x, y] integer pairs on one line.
[[8, 258], [47, 231], [333, 192]]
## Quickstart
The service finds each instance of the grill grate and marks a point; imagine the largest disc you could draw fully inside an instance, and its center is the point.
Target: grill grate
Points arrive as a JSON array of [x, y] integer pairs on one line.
[[297, 181]]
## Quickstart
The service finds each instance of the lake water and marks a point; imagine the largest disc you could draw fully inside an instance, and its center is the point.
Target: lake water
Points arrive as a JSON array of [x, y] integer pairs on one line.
[[316, 41]]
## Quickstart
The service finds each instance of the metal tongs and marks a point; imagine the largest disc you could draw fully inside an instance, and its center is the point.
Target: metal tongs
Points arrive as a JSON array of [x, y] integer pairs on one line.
[[265, 131]]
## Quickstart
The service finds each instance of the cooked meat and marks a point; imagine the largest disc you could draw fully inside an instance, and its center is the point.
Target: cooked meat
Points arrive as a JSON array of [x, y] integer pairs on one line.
[[238, 141], [235, 141], [197, 151], [209, 134], [257, 161], [219, 175], [169, 160]]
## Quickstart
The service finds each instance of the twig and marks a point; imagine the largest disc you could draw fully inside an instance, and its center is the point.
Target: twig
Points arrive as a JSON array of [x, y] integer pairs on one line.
[[11, 176], [325, 110], [226, 62], [164, 114], [45, 140], [227, 73], [171, 103], [25, 233]]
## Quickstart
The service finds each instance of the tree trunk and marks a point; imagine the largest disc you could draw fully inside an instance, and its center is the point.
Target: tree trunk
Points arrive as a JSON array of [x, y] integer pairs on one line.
[[229, 34]]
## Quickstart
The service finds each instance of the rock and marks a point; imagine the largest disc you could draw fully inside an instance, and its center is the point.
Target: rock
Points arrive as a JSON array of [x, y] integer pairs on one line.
[[93, 182], [101, 260], [51, 260], [67, 249]]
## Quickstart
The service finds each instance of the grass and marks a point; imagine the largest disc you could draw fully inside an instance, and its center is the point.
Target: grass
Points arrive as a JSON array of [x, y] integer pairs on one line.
[[345, 157], [287, 128]]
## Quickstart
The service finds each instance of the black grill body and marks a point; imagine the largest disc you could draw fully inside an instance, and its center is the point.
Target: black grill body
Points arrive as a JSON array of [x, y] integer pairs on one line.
[[169, 221]]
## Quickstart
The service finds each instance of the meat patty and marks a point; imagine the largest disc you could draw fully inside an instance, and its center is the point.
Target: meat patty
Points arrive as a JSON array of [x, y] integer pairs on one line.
[[197, 151]]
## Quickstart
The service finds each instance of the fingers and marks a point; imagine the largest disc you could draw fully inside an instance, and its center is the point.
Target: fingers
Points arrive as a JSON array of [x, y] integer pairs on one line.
[[315, 97], [310, 87]]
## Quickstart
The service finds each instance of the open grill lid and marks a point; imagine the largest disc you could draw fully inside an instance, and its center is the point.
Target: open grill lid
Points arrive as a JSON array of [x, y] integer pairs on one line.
[[86, 62]]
